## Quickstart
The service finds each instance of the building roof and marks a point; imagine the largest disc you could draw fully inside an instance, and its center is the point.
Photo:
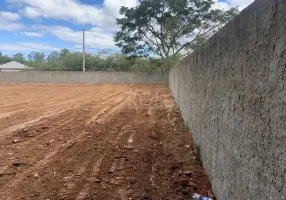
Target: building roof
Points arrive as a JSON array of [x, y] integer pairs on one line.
[[14, 66]]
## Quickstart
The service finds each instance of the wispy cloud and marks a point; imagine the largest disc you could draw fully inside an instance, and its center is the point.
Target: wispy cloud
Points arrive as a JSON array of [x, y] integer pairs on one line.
[[95, 37], [27, 47], [100, 17], [9, 16], [32, 34], [240, 3], [9, 21], [73, 10]]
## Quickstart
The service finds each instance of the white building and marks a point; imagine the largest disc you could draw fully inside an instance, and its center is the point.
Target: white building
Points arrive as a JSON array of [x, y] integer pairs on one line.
[[14, 67]]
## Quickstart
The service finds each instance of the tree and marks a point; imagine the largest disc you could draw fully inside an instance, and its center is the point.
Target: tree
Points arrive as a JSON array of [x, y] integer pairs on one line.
[[31, 56], [18, 57], [4, 59], [168, 27], [73, 62], [36, 56], [64, 53], [94, 62], [53, 56], [118, 62]]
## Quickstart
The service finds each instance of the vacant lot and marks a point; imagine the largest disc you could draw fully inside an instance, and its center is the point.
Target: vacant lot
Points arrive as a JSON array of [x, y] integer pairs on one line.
[[82, 141]]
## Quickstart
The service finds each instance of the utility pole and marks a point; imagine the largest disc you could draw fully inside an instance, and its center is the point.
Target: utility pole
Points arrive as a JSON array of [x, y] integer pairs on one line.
[[83, 50]]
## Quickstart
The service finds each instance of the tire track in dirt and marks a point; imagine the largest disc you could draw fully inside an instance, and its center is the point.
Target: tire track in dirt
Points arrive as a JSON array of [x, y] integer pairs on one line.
[[38, 106], [97, 169], [17, 127], [133, 148], [107, 110], [94, 168], [115, 105], [8, 114], [52, 129], [57, 119], [44, 161], [61, 107]]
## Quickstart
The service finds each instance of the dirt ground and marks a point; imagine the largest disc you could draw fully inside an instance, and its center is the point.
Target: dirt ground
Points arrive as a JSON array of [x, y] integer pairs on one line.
[[83, 141]]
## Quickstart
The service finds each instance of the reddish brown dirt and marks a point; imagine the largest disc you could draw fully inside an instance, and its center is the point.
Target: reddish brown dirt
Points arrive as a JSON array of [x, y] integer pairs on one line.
[[80, 141]]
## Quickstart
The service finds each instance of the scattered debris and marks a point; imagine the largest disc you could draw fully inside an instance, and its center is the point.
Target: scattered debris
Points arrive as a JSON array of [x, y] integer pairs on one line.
[[200, 197]]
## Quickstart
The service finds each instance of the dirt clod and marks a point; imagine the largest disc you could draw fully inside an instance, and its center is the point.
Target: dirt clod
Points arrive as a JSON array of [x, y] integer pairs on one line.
[[17, 163], [16, 141], [188, 173]]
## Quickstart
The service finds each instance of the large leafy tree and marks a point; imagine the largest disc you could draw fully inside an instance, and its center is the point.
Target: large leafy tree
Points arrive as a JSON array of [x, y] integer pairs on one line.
[[4, 59], [53, 56], [64, 53], [19, 57], [36, 56], [168, 27]]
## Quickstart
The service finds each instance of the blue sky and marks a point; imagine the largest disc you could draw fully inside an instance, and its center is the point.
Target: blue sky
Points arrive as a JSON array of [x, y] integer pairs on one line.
[[50, 25]]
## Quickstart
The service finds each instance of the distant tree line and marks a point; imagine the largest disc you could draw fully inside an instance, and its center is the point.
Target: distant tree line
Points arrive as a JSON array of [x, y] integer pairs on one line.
[[72, 61]]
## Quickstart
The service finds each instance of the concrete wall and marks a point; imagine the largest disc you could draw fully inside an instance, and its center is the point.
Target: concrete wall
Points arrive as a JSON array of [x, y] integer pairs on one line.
[[232, 94], [87, 77]]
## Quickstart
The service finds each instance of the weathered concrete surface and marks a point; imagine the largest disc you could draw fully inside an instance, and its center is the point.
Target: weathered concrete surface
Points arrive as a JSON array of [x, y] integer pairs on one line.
[[232, 94], [87, 77]]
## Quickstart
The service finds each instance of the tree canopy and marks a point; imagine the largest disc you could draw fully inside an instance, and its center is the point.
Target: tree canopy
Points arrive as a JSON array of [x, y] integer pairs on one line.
[[19, 57], [4, 59], [168, 27], [53, 56], [36, 56]]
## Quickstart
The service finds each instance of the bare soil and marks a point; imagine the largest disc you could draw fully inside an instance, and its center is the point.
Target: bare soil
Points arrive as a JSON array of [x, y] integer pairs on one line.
[[83, 141]]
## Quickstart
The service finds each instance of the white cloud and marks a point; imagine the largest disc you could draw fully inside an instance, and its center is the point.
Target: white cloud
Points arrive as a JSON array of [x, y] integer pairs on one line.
[[79, 13], [95, 37], [9, 21], [32, 34], [30, 12], [102, 18], [240, 3], [27, 47], [9, 16], [220, 5], [9, 26], [73, 10]]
